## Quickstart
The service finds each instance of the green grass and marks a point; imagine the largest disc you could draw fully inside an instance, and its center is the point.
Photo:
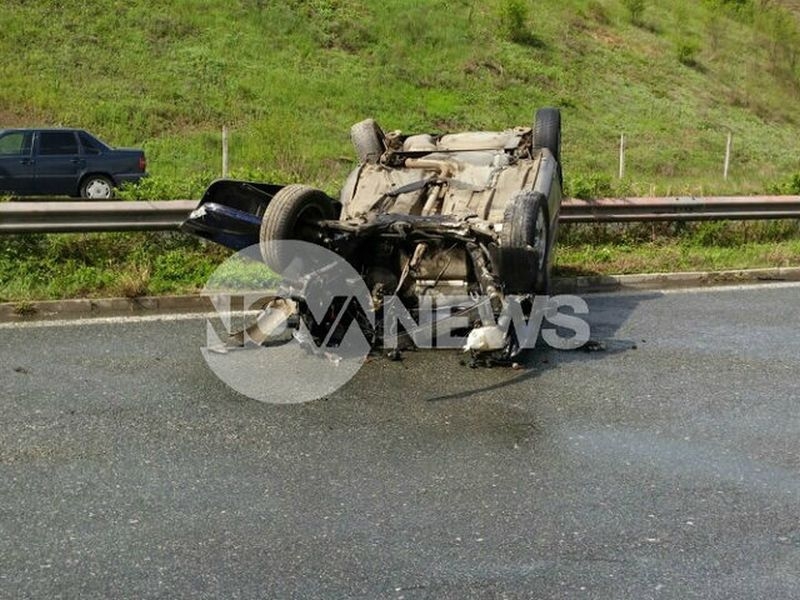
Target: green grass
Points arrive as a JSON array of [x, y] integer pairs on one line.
[[42, 267], [672, 256], [289, 78], [673, 247]]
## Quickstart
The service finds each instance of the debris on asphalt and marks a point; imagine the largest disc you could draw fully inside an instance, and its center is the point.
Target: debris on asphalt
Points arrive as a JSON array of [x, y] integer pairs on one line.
[[593, 346]]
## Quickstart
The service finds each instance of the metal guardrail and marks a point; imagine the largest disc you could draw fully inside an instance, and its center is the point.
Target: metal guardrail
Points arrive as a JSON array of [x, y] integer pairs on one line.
[[76, 217], [61, 217], [683, 208]]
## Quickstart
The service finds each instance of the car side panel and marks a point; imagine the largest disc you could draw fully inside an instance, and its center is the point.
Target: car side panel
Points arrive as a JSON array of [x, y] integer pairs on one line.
[[16, 169], [58, 167], [120, 165]]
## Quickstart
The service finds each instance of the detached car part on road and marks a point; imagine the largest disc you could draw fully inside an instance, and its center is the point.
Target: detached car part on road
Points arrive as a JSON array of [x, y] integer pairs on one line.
[[475, 212], [65, 162]]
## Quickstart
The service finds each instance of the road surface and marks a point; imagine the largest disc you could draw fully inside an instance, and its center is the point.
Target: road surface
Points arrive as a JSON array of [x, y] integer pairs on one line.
[[665, 466]]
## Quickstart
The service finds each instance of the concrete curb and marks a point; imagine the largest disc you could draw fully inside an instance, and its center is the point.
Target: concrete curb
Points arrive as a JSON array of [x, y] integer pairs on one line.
[[650, 281], [83, 307]]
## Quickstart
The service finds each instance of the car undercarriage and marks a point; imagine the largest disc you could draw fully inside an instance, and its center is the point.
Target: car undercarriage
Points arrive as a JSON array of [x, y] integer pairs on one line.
[[471, 216]]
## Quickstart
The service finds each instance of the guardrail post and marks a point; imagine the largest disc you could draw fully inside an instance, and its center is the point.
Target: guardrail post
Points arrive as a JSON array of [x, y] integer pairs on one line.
[[224, 151], [727, 155]]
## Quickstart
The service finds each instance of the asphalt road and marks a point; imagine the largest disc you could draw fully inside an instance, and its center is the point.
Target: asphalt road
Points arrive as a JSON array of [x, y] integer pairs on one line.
[[665, 466]]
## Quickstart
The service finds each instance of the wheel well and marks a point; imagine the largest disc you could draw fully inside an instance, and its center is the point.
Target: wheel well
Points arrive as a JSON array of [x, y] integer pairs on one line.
[[96, 174]]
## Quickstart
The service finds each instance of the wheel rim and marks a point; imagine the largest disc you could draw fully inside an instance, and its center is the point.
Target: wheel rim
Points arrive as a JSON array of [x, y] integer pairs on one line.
[[540, 238], [98, 188], [309, 216]]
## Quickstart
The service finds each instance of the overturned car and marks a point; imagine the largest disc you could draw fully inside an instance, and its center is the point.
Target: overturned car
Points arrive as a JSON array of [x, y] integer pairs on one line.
[[421, 214]]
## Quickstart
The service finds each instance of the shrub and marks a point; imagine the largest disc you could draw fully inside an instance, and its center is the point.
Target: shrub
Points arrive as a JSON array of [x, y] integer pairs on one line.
[[686, 52], [587, 187], [134, 282], [598, 12], [164, 188], [741, 9], [782, 40], [789, 187], [514, 20], [635, 10]]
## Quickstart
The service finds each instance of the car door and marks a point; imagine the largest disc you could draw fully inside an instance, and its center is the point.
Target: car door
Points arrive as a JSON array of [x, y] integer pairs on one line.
[[16, 162], [58, 163]]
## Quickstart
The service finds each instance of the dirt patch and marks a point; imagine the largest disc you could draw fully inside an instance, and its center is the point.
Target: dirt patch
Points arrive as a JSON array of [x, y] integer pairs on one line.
[[23, 118]]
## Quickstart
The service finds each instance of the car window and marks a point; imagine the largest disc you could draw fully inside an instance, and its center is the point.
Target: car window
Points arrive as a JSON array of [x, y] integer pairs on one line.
[[90, 145], [57, 142], [15, 143]]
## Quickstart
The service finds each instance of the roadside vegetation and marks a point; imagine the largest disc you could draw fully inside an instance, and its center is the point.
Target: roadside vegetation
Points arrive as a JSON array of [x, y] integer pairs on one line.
[[44, 267], [668, 247], [289, 78]]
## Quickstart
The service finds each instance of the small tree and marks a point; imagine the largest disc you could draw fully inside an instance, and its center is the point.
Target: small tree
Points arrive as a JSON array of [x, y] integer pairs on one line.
[[686, 51], [514, 20], [635, 10]]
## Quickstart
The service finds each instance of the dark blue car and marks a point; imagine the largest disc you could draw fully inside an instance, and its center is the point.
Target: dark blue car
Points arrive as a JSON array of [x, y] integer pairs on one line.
[[64, 162]]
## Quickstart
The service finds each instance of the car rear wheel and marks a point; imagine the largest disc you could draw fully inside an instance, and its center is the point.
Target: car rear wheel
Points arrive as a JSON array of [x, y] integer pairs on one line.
[[524, 249], [291, 215], [97, 187], [547, 131], [367, 138]]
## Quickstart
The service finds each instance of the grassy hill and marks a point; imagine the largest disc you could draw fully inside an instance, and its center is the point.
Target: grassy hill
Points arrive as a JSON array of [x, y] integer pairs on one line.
[[289, 79]]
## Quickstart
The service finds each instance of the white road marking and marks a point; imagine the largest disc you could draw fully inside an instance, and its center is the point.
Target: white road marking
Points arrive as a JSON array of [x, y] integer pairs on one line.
[[80, 321], [739, 287], [112, 320]]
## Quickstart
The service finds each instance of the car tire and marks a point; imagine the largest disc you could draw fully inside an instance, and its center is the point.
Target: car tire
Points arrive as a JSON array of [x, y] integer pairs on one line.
[[97, 187], [524, 245], [287, 217], [547, 131], [368, 141]]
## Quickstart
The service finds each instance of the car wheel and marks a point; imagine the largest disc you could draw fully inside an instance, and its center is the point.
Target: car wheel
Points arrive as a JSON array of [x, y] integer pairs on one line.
[[291, 215], [97, 187], [524, 249], [547, 131], [367, 138]]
